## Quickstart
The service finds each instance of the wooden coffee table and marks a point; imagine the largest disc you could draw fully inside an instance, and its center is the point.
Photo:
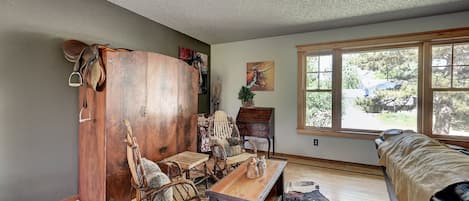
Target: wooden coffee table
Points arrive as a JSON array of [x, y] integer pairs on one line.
[[236, 186], [189, 161]]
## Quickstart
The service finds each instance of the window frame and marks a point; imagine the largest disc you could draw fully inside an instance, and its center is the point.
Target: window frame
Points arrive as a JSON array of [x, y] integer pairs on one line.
[[430, 90], [423, 41], [306, 90]]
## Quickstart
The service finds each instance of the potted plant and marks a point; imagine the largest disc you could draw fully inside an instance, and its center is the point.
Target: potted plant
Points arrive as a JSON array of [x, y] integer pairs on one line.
[[246, 96]]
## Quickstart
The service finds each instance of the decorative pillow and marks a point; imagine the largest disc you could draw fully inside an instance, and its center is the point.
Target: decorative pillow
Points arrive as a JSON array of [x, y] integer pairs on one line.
[[235, 150], [156, 179], [223, 143], [150, 166], [216, 150], [231, 145], [234, 141], [235, 146]]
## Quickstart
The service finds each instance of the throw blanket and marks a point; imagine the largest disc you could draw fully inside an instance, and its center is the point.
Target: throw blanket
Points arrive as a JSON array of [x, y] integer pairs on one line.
[[420, 166]]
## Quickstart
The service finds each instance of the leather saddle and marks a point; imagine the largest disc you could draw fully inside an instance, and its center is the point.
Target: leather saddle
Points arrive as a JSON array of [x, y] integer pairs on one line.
[[88, 70]]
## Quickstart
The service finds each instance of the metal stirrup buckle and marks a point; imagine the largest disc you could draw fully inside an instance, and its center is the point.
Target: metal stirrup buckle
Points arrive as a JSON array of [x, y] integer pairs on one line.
[[80, 117], [75, 84]]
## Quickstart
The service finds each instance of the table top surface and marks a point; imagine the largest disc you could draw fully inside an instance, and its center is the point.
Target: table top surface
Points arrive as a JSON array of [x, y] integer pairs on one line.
[[236, 186], [188, 159]]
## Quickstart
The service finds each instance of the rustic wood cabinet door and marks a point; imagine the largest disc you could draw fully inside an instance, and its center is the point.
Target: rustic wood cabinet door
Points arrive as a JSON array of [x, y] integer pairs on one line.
[[158, 95]]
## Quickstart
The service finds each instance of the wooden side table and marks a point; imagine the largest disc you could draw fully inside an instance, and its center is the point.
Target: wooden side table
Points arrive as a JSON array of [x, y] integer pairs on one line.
[[237, 187], [189, 161]]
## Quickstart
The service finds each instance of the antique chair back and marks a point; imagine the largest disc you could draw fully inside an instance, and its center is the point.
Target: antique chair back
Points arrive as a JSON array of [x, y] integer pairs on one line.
[[222, 128], [134, 159], [182, 189]]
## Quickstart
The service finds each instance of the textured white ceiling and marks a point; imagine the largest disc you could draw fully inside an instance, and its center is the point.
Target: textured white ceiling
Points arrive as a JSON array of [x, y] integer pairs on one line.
[[218, 21]]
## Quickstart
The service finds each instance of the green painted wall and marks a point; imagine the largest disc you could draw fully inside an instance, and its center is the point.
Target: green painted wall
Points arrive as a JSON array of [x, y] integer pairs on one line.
[[38, 111]]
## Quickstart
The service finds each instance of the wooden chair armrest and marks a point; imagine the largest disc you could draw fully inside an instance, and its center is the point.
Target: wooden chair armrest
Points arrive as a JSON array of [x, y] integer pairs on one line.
[[221, 149], [155, 191]]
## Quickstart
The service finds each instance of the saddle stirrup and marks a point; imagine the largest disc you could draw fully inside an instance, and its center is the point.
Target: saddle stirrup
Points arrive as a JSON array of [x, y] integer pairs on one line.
[[80, 116], [77, 83]]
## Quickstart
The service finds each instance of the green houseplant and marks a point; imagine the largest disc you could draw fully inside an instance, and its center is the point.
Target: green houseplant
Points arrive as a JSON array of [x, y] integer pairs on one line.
[[246, 96]]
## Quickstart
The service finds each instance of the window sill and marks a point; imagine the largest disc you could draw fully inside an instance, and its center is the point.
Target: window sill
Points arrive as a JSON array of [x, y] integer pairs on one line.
[[456, 138], [339, 134]]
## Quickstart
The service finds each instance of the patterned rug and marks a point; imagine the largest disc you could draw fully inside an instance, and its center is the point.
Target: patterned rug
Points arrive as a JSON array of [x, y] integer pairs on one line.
[[303, 191]]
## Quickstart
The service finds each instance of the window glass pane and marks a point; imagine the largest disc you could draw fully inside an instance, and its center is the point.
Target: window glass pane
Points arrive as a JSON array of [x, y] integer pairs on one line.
[[461, 77], [312, 63], [319, 109], [325, 80], [450, 113], [461, 54], [325, 63], [379, 89], [441, 55], [312, 81], [441, 77]]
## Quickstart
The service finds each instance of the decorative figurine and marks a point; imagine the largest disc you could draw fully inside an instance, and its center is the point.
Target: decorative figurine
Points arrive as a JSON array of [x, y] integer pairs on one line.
[[252, 169], [261, 165]]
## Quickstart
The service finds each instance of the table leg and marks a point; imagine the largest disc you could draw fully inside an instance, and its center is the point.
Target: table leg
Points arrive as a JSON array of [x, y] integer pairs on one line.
[[188, 174], [206, 175], [273, 145], [280, 187], [268, 148]]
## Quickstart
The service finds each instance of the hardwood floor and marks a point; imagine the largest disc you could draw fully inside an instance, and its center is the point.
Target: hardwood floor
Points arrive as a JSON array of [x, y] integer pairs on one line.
[[339, 181]]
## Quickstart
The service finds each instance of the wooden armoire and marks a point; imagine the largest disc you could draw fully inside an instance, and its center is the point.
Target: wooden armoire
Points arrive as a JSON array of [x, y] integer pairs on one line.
[[158, 95]]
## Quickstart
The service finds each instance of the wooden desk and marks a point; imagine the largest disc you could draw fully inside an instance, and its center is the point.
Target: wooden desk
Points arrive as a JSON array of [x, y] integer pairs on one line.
[[257, 122], [189, 161], [237, 187]]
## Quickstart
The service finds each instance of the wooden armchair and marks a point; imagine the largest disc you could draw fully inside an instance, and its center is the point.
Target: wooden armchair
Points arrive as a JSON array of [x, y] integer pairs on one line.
[[175, 186], [222, 132]]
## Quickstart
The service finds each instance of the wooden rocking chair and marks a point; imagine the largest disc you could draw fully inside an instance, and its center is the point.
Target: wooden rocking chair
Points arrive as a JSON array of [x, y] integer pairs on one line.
[[180, 188], [223, 128]]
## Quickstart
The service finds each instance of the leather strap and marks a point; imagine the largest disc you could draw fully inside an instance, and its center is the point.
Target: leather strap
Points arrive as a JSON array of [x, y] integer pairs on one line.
[[88, 71], [87, 59], [85, 70], [76, 72]]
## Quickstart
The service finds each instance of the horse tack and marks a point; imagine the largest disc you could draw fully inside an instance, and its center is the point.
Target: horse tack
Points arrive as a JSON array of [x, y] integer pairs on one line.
[[72, 49], [88, 70], [88, 64], [87, 59], [80, 69], [91, 71]]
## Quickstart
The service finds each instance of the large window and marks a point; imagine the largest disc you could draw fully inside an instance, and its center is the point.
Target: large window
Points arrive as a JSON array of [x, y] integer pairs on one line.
[[450, 89], [319, 91], [362, 87], [379, 89]]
